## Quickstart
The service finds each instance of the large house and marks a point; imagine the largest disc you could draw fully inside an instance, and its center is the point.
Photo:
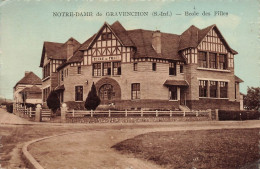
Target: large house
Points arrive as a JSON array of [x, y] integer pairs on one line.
[[28, 90], [139, 68]]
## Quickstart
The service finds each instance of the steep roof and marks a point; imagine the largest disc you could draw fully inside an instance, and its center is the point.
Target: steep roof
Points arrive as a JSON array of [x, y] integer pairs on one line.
[[30, 79], [193, 36], [141, 40], [121, 33], [57, 50]]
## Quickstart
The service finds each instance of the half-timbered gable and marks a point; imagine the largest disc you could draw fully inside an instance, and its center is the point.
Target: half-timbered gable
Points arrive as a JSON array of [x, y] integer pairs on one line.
[[106, 47]]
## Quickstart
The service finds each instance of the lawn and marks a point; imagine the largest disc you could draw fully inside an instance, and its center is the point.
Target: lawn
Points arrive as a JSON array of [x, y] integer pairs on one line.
[[227, 148]]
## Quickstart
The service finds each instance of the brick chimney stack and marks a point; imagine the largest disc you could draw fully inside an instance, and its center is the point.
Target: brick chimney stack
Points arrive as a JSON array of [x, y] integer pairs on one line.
[[70, 48], [157, 42]]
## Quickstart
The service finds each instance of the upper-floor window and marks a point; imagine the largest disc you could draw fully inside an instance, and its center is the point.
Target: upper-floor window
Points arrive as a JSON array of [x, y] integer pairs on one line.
[[106, 36], [135, 67], [106, 69], [97, 69], [79, 70], [172, 68], [181, 68], [223, 89], [203, 85], [203, 59], [116, 68], [78, 93], [213, 60], [154, 66], [213, 89], [46, 70], [222, 61], [135, 91], [62, 75]]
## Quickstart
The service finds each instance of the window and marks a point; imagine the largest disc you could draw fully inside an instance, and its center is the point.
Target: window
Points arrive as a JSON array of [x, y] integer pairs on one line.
[[172, 68], [154, 66], [203, 59], [203, 85], [223, 89], [135, 91], [106, 36], [135, 66], [79, 69], [222, 61], [213, 89], [106, 69], [173, 93], [235, 91], [46, 93], [78, 93], [62, 75], [97, 69], [181, 68], [46, 70], [213, 63], [116, 68]]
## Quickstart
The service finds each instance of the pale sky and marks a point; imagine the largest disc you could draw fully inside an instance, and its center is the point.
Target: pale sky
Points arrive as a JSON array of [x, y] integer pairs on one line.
[[26, 24]]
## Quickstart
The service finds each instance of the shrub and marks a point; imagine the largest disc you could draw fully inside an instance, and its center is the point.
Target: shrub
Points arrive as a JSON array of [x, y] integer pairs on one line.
[[9, 107], [75, 105], [92, 100], [238, 115], [53, 101]]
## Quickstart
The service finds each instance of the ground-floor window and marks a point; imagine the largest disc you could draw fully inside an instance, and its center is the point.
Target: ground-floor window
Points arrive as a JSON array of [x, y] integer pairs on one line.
[[97, 69], [223, 89], [78, 93], [46, 93], [173, 92], [203, 84], [213, 89], [61, 96], [135, 91]]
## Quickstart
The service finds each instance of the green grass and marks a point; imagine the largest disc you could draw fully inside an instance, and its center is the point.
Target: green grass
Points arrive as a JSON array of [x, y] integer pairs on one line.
[[230, 148]]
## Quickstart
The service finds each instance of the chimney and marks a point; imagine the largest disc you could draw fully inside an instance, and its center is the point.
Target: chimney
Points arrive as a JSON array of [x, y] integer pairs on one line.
[[26, 73], [69, 48], [156, 42]]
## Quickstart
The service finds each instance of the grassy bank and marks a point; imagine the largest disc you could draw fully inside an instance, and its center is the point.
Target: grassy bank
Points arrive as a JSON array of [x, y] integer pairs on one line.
[[230, 148]]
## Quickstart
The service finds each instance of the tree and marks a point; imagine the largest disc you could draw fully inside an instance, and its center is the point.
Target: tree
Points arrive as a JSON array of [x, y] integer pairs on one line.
[[251, 100], [53, 101], [92, 100]]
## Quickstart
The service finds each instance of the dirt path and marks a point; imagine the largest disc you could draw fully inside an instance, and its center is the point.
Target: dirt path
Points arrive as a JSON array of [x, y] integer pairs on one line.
[[92, 149], [10, 118]]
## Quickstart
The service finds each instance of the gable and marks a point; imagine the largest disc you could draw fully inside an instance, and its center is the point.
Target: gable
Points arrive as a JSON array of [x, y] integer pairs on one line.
[[106, 46], [213, 41]]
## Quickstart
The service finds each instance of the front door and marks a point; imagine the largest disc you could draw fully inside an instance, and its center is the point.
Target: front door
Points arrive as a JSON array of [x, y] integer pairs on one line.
[[106, 92]]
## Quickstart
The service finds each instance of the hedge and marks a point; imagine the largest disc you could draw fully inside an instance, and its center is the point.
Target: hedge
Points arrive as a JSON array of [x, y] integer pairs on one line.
[[238, 115], [9, 107]]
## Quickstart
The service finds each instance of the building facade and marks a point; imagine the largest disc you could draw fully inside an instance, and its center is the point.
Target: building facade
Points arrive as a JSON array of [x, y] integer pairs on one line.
[[135, 69], [28, 90]]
